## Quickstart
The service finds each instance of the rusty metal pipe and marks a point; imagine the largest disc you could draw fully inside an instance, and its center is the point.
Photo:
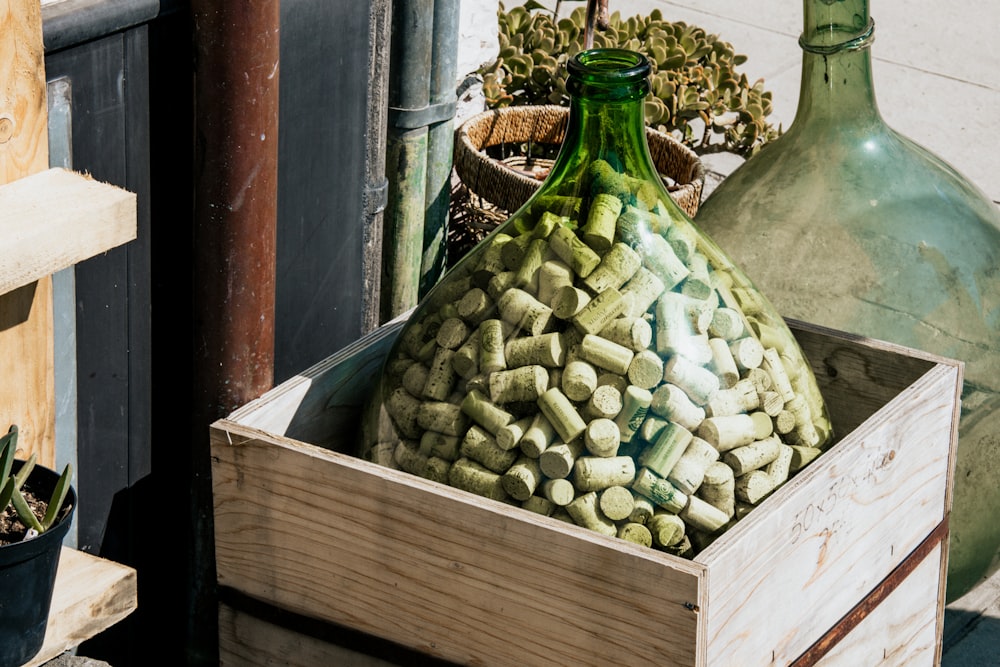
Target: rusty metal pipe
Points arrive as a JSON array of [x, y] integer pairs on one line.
[[235, 212]]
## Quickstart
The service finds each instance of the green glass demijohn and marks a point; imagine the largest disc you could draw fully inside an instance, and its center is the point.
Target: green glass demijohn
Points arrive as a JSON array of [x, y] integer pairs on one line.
[[597, 357], [843, 222]]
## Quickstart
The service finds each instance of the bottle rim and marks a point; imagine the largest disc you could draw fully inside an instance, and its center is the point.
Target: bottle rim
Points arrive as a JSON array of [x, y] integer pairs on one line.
[[613, 66]]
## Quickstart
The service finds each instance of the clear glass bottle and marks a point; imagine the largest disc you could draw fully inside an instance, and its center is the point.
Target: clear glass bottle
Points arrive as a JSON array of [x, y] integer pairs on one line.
[[844, 222], [597, 340]]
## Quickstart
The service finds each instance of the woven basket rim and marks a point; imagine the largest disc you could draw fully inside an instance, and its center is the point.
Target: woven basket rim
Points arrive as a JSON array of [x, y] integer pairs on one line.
[[508, 189]]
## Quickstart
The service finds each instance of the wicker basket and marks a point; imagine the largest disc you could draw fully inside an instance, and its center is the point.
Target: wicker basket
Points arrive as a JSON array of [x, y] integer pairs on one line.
[[494, 177]]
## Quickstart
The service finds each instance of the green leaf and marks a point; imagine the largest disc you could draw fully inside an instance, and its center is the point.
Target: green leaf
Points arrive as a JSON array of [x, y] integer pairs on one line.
[[24, 512], [6, 493], [59, 494], [25, 470], [9, 445]]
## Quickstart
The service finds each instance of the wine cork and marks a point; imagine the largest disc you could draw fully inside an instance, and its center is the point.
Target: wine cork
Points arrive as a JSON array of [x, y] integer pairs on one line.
[[644, 289], [547, 223], [662, 455], [703, 516], [728, 431], [661, 259], [522, 478], [439, 445], [443, 417], [760, 378], [754, 486], [601, 437], [718, 487], [499, 284], [747, 353], [452, 333], [559, 491], [465, 361], [526, 274], [805, 431], [768, 335], [635, 405], [606, 354], [579, 380], [699, 383], [509, 436], [605, 403], [552, 276], [781, 466], [403, 408], [538, 437], [414, 379], [481, 447], [491, 346], [440, 375], [600, 311], [614, 380], [726, 324], [475, 306], [642, 508], [408, 459], [671, 402], [741, 397], [659, 490], [616, 268], [689, 471], [635, 333], [567, 301], [573, 251], [683, 549], [585, 513], [491, 261], [803, 456], [771, 403], [561, 413], [484, 412], [524, 384], [468, 475], [544, 350], [512, 252], [437, 470], [762, 424], [784, 422], [616, 502], [645, 369], [558, 459], [595, 473], [525, 312], [779, 377], [599, 230], [683, 239], [698, 283], [667, 529], [754, 456], [723, 364], [539, 505], [635, 533]]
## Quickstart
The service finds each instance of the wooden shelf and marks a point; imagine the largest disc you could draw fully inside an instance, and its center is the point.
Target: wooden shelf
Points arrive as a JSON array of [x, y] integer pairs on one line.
[[56, 218], [91, 595]]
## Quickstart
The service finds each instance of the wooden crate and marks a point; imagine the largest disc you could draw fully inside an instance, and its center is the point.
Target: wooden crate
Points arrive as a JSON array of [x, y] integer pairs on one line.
[[846, 561]]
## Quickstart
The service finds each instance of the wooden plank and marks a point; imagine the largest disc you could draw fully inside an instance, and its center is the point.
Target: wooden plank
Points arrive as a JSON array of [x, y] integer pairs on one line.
[[27, 395], [825, 540], [56, 218], [91, 594], [436, 569], [904, 630]]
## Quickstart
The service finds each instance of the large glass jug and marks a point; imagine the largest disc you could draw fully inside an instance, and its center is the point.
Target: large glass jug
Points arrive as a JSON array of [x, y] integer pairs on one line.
[[597, 357], [844, 222]]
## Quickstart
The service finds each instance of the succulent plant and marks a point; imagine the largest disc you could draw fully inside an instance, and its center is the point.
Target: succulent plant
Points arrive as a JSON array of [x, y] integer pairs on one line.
[[698, 94], [11, 484]]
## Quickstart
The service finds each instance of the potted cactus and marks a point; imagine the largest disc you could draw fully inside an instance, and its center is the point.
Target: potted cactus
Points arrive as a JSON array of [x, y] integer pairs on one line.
[[36, 510]]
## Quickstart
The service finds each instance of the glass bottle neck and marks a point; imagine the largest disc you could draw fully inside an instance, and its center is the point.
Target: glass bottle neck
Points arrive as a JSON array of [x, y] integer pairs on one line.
[[837, 85]]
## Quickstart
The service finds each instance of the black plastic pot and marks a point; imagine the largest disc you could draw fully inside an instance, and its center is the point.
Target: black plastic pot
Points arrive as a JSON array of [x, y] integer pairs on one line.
[[27, 577]]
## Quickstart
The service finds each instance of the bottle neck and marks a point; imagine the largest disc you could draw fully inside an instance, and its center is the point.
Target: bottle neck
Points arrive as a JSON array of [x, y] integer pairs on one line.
[[837, 85], [606, 120]]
